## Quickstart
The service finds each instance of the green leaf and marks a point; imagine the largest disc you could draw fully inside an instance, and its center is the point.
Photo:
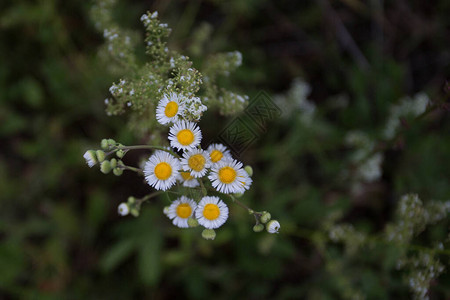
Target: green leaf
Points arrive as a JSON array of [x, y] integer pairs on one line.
[[149, 259], [116, 254]]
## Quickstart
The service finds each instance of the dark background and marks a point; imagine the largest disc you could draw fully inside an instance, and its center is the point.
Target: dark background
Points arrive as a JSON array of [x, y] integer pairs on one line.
[[60, 235]]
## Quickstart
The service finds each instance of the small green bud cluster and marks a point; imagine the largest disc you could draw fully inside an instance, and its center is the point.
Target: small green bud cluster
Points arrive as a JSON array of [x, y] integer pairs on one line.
[[132, 206], [93, 157], [263, 221], [108, 144], [114, 165]]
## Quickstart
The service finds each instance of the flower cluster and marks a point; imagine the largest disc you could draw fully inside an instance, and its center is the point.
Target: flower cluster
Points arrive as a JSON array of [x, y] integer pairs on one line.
[[186, 165], [163, 91], [407, 107], [165, 168]]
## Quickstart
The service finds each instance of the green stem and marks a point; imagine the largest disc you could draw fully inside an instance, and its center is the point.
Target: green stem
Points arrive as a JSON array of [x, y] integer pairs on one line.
[[149, 196], [241, 204], [147, 147], [137, 170]]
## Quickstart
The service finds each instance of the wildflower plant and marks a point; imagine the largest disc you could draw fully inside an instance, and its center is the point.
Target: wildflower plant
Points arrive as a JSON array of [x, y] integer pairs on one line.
[[162, 98]]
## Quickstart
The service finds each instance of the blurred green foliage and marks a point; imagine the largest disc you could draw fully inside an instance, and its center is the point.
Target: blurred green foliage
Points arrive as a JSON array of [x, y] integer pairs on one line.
[[60, 236]]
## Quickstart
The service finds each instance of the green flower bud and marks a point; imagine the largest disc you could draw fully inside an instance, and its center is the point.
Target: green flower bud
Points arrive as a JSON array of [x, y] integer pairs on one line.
[[100, 155], [120, 153], [134, 212], [238, 195], [192, 222], [131, 200], [113, 162], [249, 170], [209, 234], [265, 217], [105, 167], [111, 143], [104, 144], [117, 171], [258, 228]]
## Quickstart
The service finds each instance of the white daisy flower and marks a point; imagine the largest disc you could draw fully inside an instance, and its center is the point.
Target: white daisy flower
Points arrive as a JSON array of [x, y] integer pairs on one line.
[[161, 170], [217, 152], [184, 135], [273, 226], [229, 177], [188, 180], [196, 161], [180, 210], [123, 209], [211, 212], [169, 108], [90, 157]]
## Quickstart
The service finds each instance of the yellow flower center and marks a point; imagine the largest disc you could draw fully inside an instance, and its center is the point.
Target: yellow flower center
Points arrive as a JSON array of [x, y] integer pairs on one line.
[[227, 175], [216, 155], [186, 176], [197, 162], [163, 171], [184, 210], [171, 109], [185, 137], [211, 211]]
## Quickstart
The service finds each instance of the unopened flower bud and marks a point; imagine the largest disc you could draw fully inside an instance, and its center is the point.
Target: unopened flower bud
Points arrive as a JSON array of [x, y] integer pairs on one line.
[[100, 155], [258, 228], [134, 212], [104, 144], [131, 200], [113, 162], [105, 167], [111, 143], [249, 170], [273, 226], [209, 234], [120, 153], [123, 209], [90, 157], [192, 222], [265, 217], [117, 171]]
